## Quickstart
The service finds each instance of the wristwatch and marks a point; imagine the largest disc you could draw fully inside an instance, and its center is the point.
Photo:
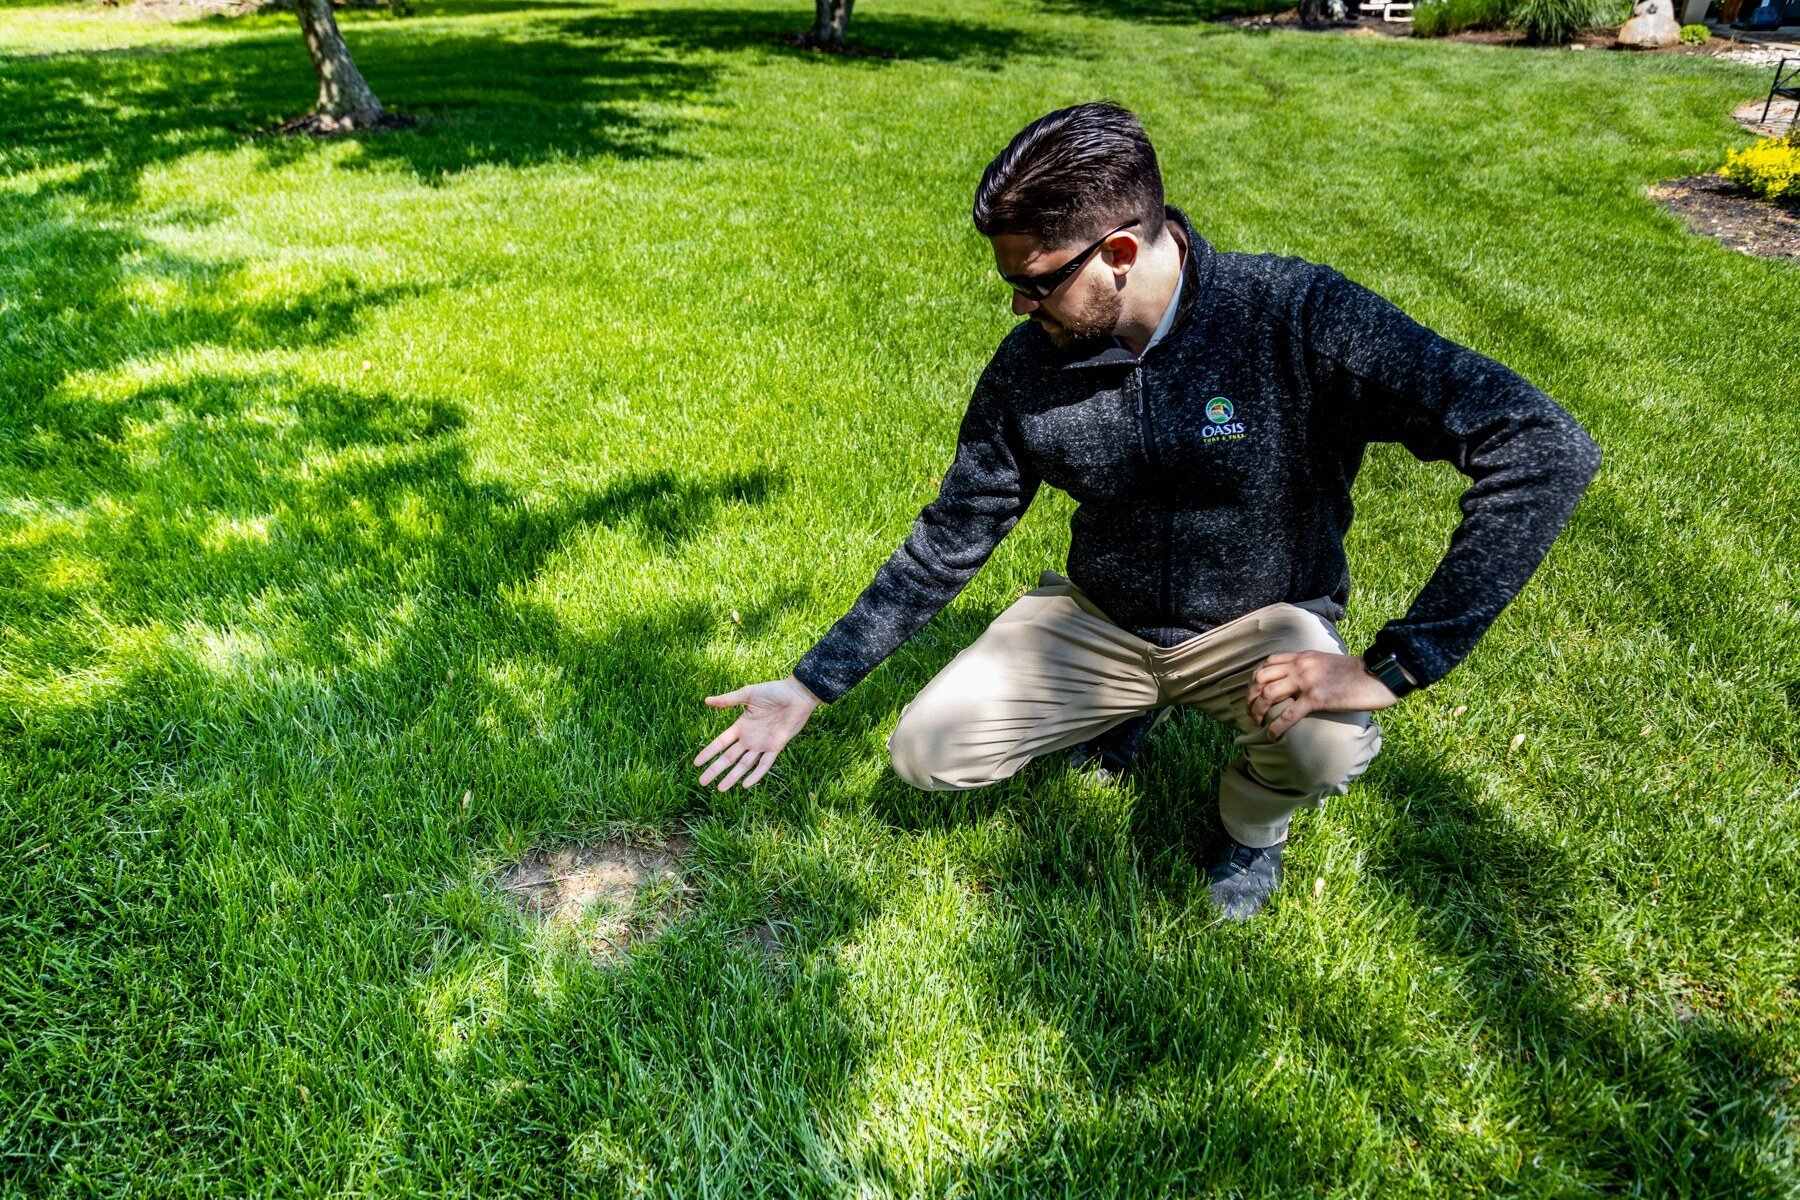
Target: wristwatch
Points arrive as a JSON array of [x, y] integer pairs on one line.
[[1387, 669]]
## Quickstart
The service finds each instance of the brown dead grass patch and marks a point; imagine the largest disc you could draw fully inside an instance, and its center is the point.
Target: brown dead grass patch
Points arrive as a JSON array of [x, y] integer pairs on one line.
[[609, 895]]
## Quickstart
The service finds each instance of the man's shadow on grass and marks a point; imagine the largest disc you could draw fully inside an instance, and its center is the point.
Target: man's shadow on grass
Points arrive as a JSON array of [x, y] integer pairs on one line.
[[1660, 1093], [1098, 937], [1096, 927]]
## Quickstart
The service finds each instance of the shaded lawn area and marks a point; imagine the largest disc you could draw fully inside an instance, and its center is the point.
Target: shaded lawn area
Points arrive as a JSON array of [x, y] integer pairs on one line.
[[373, 512]]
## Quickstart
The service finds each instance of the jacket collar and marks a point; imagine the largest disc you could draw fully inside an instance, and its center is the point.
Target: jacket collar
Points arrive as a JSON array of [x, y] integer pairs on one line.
[[1197, 274]]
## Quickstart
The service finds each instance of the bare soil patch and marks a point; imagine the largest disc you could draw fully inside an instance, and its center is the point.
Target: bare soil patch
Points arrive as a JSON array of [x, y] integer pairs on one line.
[[800, 41], [320, 125], [1714, 207], [609, 894], [765, 938]]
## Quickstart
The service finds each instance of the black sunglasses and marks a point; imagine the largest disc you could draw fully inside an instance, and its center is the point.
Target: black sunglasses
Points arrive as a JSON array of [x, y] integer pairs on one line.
[[1039, 287]]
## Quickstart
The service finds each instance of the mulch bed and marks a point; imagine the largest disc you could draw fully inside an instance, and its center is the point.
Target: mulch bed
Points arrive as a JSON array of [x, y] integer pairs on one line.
[[1600, 37], [1714, 207]]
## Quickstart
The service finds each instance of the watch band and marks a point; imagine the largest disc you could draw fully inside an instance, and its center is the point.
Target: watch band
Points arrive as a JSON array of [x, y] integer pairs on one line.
[[1386, 668]]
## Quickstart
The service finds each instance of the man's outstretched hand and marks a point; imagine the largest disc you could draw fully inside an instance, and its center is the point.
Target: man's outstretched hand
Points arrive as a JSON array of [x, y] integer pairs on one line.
[[773, 713], [1316, 682]]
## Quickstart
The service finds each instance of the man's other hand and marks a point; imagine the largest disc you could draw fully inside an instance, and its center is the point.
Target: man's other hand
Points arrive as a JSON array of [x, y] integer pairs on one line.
[[1316, 682], [773, 713]]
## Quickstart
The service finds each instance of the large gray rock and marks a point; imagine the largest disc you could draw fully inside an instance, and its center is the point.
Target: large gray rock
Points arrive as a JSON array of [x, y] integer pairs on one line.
[[1651, 27]]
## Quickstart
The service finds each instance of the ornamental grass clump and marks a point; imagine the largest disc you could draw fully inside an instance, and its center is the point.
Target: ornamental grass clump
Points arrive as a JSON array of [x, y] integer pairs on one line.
[[1770, 168], [1439, 18], [1553, 22]]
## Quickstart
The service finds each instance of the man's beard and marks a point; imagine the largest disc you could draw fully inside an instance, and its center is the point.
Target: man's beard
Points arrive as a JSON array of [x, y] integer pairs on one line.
[[1087, 331]]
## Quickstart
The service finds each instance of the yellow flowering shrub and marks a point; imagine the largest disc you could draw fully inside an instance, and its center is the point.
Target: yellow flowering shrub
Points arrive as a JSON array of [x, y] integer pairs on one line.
[[1771, 168]]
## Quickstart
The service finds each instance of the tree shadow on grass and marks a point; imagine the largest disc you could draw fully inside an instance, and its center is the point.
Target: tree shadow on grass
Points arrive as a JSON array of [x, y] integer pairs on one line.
[[542, 93], [252, 665], [87, 283], [667, 509], [549, 91], [904, 36], [263, 631], [551, 88]]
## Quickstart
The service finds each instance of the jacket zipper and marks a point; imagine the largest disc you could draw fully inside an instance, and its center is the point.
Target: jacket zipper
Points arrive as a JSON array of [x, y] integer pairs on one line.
[[1168, 521]]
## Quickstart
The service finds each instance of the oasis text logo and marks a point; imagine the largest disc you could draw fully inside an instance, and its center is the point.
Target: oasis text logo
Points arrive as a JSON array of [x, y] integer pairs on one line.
[[1220, 427]]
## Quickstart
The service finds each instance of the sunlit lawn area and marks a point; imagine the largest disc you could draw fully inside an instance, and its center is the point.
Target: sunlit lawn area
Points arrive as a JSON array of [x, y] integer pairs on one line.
[[374, 512]]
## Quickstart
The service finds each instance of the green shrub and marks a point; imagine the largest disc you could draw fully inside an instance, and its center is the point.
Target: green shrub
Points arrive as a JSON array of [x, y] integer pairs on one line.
[[1695, 35], [1770, 168], [1440, 17], [1553, 22]]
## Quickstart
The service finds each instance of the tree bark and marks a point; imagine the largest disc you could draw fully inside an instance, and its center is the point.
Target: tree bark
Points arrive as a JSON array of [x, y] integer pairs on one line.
[[344, 95], [831, 21]]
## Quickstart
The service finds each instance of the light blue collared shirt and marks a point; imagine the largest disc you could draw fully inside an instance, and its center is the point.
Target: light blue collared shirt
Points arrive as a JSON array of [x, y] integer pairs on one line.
[[1168, 318]]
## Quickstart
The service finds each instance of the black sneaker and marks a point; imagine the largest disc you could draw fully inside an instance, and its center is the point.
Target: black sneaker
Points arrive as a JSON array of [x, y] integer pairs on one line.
[[1111, 754], [1243, 878]]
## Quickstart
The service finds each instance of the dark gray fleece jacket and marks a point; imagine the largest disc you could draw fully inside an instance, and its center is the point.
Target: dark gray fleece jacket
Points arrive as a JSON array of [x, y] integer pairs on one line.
[[1213, 474]]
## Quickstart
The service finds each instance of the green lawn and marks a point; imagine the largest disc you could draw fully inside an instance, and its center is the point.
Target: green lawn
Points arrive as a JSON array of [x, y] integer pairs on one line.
[[340, 481]]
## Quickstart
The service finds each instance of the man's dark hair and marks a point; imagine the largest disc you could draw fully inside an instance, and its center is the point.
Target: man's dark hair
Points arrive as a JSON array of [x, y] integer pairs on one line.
[[1071, 175]]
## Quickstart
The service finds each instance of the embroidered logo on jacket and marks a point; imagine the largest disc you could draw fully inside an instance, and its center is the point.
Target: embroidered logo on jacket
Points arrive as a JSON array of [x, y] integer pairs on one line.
[[1220, 427]]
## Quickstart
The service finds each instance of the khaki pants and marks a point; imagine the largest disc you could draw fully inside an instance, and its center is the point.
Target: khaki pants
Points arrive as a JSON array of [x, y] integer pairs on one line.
[[1052, 671]]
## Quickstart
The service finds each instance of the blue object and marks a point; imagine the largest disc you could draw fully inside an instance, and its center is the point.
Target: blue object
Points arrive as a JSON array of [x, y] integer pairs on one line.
[[1766, 16]]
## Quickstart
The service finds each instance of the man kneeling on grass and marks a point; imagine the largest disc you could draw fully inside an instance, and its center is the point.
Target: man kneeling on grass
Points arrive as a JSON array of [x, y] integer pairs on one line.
[[1208, 412]]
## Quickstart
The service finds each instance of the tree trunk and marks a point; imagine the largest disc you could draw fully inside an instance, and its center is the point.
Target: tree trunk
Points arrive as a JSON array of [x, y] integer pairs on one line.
[[832, 19], [344, 95]]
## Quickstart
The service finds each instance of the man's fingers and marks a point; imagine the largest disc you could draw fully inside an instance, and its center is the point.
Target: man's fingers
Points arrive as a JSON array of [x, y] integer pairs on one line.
[[743, 765], [762, 768], [734, 754], [1290, 717], [730, 699], [1270, 694], [1261, 678], [1271, 670], [717, 744]]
